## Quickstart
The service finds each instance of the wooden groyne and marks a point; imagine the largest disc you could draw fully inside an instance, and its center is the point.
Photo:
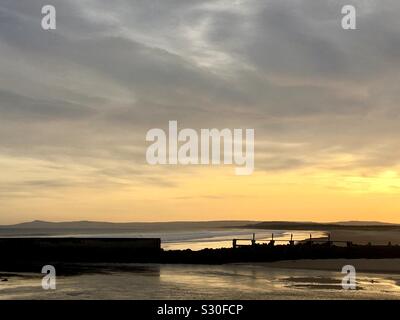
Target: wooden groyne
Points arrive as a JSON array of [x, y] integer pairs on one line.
[[237, 243]]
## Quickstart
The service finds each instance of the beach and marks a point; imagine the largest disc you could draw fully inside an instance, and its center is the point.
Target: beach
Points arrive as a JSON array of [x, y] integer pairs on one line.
[[193, 282], [381, 237], [361, 265]]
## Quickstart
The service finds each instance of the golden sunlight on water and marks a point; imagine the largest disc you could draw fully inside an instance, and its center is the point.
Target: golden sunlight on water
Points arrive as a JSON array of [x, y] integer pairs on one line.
[[233, 281]]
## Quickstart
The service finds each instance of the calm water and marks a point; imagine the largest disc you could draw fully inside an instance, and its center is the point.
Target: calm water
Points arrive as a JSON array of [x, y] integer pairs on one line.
[[181, 239], [240, 281]]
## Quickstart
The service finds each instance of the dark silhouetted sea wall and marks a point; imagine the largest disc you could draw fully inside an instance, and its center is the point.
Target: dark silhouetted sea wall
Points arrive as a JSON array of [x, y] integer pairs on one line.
[[26, 250]]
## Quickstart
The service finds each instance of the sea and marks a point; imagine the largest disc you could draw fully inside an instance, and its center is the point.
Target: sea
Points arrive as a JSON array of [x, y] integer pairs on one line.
[[196, 239]]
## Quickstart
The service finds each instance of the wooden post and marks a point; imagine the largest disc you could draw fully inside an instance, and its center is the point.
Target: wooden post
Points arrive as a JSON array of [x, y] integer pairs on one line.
[[349, 244], [234, 243], [329, 239], [272, 242], [253, 241], [291, 242]]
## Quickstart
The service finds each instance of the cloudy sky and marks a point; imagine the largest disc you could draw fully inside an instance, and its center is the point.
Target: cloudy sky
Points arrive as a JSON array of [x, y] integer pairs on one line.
[[76, 103]]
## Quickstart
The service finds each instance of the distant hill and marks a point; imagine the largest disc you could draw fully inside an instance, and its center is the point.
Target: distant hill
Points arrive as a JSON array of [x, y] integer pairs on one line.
[[364, 223], [142, 226], [347, 225], [188, 225]]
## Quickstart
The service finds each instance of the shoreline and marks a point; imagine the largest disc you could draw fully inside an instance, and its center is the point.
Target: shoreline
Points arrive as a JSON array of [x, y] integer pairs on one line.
[[378, 266], [362, 266]]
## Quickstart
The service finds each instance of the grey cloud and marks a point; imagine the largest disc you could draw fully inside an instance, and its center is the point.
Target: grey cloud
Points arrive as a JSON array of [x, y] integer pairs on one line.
[[113, 70], [25, 108]]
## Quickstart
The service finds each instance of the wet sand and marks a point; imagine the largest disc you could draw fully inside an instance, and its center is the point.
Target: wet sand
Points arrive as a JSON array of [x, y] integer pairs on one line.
[[362, 265], [363, 237], [198, 282]]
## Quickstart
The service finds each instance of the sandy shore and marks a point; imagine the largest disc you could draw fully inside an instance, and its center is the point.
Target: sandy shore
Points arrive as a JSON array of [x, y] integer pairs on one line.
[[361, 265], [363, 237]]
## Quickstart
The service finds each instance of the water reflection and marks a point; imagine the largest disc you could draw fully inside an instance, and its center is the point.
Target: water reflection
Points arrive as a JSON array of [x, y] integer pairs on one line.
[[232, 281]]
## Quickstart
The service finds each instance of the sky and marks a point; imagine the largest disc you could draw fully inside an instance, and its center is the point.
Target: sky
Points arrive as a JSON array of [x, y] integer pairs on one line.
[[76, 103]]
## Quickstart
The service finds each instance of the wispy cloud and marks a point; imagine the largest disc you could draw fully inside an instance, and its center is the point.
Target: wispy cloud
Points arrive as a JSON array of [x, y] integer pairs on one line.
[[86, 93]]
